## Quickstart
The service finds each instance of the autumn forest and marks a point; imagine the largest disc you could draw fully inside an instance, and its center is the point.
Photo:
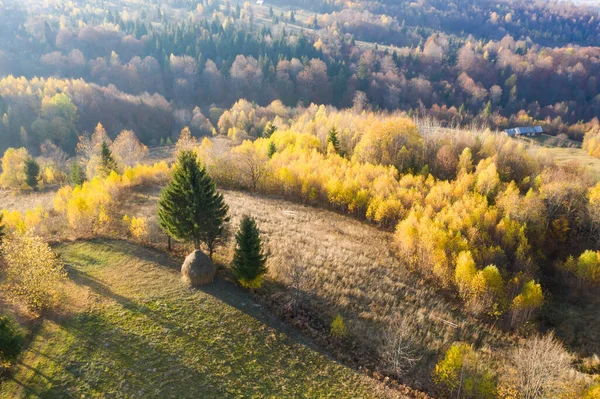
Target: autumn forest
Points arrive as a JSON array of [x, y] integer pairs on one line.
[[299, 198]]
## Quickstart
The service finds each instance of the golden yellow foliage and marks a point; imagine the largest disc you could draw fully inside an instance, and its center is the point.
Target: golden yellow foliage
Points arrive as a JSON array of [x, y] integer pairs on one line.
[[591, 142], [593, 392], [462, 369], [338, 327], [382, 141], [464, 273], [586, 268], [17, 222], [435, 219], [89, 207], [138, 227], [526, 302], [34, 274], [13, 168]]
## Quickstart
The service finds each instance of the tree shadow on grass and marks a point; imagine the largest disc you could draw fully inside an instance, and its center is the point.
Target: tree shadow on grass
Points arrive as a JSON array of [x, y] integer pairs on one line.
[[223, 291], [98, 287], [238, 298], [99, 357], [220, 289]]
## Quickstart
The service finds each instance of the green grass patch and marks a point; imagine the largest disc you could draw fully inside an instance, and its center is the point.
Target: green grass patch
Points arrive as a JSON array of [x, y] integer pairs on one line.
[[141, 333]]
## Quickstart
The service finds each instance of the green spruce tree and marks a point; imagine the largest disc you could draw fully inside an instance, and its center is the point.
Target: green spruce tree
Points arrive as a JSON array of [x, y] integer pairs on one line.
[[32, 173], [271, 150], [107, 162], [332, 138], [190, 208], [269, 130], [249, 259], [77, 174]]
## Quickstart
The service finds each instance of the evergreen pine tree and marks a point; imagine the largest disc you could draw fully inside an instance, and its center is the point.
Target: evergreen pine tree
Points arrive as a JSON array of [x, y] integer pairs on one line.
[[32, 172], [332, 139], [107, 162], [271, 150], [269, 130], [190, 208], [77, 174], [249, 259]]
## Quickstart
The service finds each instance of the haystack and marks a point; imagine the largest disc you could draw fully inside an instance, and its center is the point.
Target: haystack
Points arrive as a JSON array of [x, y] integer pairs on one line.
[[197, 269]]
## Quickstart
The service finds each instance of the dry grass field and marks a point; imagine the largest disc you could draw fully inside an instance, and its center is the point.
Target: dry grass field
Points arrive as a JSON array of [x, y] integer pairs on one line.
[[17, 201], [566, 155]]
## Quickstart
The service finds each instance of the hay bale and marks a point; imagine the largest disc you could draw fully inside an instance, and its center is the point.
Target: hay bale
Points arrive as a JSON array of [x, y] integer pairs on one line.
[[197, 269]]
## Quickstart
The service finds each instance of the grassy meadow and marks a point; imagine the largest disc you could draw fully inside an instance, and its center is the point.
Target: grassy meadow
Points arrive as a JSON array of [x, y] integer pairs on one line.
[[138, 332]]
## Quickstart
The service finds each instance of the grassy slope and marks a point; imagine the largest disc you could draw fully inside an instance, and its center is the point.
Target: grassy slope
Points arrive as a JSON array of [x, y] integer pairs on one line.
[[351, 270], [565, 155], [15, 200], [140, 333]]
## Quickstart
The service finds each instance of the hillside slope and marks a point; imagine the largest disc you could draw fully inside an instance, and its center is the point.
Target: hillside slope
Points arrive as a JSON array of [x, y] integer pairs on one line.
[[141, 333]]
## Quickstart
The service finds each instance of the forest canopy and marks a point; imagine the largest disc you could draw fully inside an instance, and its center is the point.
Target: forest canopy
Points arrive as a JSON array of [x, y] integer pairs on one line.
[[496, 63]]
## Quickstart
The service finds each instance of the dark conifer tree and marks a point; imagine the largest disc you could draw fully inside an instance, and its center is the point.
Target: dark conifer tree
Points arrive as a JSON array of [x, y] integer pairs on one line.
[[249, 260], [332, 139], [269, 130], [107, 162], [190, 208], [271, 150], [32, 173], [77, 174]]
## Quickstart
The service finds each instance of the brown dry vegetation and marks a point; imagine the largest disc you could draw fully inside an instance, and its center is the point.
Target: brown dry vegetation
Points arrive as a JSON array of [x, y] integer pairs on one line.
[[18, 201]]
